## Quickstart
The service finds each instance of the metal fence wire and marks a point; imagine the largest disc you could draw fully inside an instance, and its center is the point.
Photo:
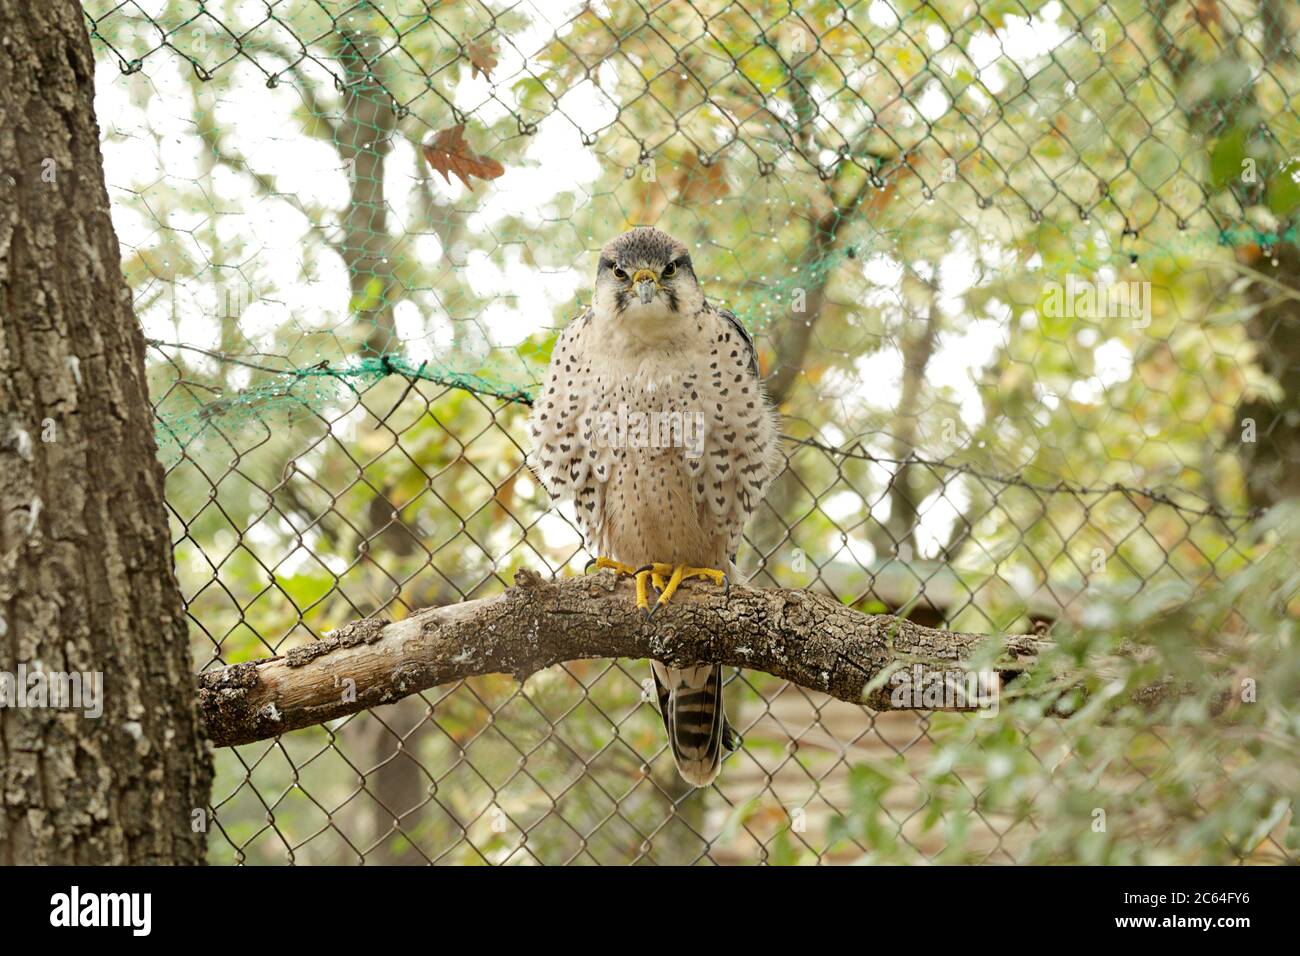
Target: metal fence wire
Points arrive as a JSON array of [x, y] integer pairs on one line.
[[353, 231]]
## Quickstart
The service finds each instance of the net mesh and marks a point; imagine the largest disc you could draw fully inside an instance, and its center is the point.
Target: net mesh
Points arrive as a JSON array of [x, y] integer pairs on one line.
[[353, 230]]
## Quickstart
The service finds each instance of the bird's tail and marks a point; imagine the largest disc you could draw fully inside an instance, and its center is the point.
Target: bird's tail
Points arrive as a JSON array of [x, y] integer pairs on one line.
[[690, 701]]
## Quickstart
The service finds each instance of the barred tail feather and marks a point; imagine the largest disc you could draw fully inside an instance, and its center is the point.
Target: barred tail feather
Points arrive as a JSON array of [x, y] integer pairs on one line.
[[690, 701]]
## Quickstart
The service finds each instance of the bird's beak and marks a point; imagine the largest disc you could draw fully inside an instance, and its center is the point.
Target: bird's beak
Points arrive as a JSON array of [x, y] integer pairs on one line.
[[646, 284]]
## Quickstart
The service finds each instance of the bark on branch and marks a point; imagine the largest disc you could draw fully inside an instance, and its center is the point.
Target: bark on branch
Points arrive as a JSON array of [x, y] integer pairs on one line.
[[804, 637]]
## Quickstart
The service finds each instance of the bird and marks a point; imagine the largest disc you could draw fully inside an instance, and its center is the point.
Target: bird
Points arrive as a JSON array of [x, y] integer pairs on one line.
[[652, 420]]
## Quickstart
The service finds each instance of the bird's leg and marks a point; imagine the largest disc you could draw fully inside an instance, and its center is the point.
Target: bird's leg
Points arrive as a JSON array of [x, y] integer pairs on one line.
[[664, 577], [666, 593], [652, 573], [642, 599], [684, 572]]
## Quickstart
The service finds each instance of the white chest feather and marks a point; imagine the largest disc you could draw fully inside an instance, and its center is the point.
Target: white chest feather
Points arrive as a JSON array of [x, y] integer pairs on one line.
[[664, 451]]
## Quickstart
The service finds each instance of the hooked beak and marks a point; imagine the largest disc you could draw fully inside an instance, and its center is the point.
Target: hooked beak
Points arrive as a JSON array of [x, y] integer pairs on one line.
[[646, 284]]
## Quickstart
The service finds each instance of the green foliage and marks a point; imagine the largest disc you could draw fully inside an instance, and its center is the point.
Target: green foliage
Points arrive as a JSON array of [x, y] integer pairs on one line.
[[1206, 775]]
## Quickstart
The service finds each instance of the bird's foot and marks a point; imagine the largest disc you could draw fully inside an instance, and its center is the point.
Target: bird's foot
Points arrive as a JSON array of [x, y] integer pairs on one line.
[[667, 578], [641, 575], [618, 566]]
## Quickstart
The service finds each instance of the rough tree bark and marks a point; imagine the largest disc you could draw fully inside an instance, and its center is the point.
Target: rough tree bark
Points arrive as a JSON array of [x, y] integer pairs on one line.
[[799, 635], [86, 580]]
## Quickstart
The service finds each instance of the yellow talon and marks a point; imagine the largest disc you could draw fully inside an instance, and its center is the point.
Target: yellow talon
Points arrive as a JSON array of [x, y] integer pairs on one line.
[[642, 600], [618, 566], [666, 594], [713, 574], [666, 578], [682, 573]]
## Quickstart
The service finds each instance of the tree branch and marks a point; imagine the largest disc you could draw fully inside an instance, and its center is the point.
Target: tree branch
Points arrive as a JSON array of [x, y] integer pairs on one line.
[[797, 635]]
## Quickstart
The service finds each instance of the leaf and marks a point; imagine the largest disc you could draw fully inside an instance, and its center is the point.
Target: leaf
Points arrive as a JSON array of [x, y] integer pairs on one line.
[[649, 203], [537, 348], [370, 298], [1226, 157], [451, 156], [1205, 12], [482, 58], [531, 93], [697, 183], [1284, 189]]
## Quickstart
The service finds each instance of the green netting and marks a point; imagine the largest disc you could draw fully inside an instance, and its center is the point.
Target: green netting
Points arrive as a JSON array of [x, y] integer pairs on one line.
[[287, 394]]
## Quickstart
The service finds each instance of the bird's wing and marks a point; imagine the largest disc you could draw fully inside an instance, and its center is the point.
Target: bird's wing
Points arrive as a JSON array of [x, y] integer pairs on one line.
[[569, 463], [745, 337], [740, 450]]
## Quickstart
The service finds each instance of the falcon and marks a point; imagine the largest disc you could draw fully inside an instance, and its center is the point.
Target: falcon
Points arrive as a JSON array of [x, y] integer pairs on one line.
[[653, 422]]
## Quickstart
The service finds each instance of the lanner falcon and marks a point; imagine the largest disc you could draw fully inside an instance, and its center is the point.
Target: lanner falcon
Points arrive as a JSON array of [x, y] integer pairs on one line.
[[653, 422]]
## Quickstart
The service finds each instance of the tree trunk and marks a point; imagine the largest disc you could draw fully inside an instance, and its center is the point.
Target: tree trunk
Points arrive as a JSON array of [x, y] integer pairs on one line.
[[1271, 456], [86, 582]]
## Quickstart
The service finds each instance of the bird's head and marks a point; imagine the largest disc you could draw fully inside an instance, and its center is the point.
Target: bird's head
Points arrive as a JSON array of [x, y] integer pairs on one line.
[[645, 276]]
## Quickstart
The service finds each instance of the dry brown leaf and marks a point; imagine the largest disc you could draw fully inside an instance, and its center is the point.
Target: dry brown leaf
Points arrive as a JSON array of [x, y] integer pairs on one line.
[[482, 58], [697, 183], [1205, 12], [449, 154], [648, 205]]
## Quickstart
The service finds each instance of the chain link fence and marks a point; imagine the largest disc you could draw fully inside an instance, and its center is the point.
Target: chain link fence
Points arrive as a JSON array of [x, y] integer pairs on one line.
[[572, 766], [353, 231]]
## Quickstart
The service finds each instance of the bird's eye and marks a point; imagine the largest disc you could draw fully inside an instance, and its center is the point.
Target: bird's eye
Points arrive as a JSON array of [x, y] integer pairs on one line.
[[620, 274], [669, 270]]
